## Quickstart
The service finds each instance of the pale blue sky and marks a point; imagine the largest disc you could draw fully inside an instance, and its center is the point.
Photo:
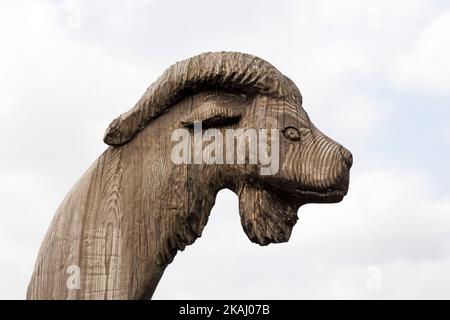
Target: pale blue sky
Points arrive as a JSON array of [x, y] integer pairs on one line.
[[375, 76]]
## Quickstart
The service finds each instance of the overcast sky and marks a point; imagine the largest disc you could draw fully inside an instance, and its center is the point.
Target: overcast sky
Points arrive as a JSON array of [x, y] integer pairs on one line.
[[375, 76]]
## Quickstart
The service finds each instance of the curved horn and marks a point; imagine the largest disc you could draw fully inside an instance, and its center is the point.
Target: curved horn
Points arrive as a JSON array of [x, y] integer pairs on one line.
[[233, 70]]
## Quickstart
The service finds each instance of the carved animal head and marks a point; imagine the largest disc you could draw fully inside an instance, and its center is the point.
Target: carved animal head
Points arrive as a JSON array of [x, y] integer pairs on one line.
[[233, 90]]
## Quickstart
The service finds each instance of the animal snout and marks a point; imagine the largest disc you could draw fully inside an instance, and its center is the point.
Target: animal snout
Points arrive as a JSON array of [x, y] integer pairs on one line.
[[347, 156]]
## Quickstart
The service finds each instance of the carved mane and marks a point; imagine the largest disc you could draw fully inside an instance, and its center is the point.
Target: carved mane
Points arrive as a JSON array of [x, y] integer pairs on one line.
[[218, 70]]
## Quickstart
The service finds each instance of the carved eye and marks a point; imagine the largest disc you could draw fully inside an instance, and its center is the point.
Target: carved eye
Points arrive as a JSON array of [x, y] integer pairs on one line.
[[291, 133]]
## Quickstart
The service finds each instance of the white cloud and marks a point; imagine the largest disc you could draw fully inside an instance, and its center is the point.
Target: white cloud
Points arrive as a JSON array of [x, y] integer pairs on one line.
[[342, 116], [426, 66], [25, 218]]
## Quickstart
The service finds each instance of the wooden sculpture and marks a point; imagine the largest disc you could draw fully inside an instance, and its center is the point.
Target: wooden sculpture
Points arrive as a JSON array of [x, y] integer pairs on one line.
[[135, 207]]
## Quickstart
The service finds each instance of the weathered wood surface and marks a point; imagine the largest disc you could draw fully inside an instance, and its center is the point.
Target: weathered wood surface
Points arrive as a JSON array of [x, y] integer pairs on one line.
[[133, 209]]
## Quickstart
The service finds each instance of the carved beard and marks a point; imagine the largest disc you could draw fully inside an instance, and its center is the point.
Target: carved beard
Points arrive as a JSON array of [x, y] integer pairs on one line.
[[266, 218]]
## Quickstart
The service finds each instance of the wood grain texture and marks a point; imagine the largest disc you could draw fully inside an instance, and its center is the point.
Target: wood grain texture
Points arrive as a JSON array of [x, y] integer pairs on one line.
[[130, 213]]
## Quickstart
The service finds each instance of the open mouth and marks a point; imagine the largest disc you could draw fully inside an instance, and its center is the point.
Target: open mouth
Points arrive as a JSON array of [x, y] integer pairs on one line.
[[326, 196], [325, 193], [291, 192], [303, 195]]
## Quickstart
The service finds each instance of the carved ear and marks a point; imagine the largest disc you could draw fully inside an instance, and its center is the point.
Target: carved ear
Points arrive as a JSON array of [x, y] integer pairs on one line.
[[216, 110]]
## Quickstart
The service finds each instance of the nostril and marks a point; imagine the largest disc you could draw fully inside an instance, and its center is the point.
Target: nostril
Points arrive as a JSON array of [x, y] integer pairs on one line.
[[347, 155]]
